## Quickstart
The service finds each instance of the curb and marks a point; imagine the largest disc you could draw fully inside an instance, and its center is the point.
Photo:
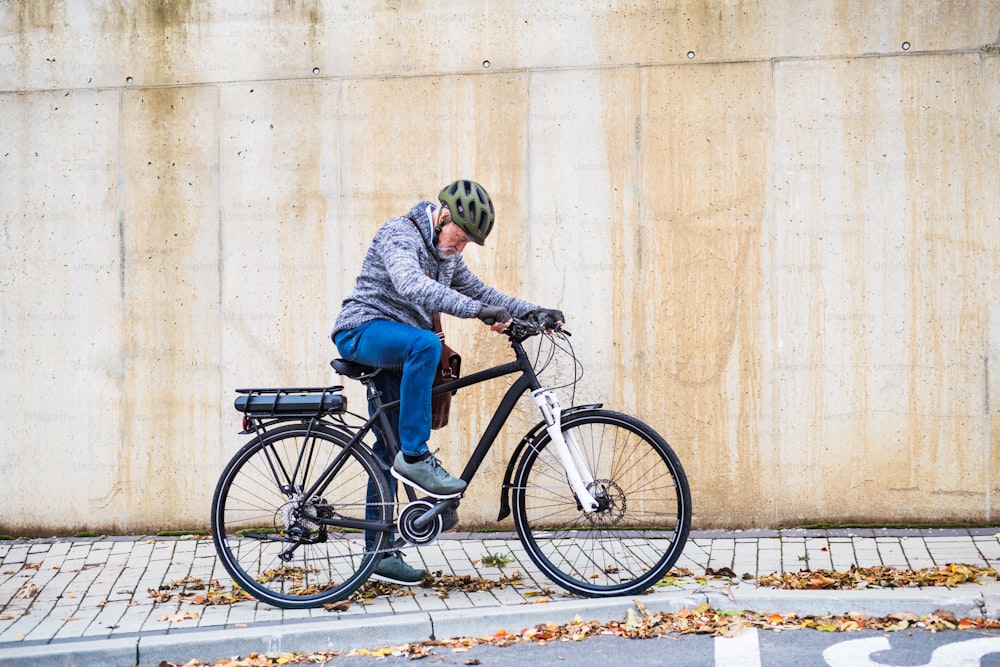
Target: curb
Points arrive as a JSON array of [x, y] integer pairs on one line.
[[180, 647], [117, 652], [971, 603]]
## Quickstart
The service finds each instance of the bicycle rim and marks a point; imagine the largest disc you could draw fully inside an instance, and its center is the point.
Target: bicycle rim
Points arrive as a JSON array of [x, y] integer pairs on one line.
[[264, 529], [637, 536]]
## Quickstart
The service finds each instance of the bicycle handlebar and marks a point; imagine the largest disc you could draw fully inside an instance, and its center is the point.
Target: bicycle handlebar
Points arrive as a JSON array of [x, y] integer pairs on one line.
[[521, 329]]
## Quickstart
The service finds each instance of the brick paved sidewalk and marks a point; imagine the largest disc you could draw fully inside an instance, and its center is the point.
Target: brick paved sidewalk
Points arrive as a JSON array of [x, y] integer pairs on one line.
[[61, 590]]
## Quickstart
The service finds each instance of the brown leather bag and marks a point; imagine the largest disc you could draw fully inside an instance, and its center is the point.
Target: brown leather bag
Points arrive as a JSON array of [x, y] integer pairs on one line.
[[448, 369]]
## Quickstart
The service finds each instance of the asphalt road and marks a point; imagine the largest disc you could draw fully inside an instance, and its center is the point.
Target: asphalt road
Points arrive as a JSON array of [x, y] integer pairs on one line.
[[800, 648]]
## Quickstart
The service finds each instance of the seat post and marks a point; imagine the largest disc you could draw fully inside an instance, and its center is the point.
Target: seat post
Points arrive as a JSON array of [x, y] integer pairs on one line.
[[371, 391]]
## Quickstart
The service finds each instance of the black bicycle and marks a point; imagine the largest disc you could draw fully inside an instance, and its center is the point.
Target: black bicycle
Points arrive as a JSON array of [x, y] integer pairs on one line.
[[599, 499]]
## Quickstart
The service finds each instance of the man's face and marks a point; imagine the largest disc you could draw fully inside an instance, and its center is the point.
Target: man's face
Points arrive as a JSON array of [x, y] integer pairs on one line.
[[452, 238]]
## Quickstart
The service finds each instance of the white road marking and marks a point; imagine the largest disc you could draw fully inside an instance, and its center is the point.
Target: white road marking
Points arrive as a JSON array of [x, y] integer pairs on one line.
[[857, 652], [743, 650]]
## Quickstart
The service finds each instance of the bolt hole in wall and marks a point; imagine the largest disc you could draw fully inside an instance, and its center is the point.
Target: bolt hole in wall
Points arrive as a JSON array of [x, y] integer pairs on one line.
[[315, 71], [128, 80], [486, 64], [690, 55], [906, 46]]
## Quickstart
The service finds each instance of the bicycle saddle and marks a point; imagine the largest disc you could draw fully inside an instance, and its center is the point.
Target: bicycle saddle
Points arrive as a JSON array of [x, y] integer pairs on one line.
[[353, 370]]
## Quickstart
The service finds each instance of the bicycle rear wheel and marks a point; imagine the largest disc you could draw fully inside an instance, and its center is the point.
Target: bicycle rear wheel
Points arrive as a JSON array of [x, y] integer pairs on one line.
[[640, 530], [266, 532]]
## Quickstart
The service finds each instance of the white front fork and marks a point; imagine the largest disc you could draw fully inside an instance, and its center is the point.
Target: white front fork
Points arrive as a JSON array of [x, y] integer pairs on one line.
[[572, 461]]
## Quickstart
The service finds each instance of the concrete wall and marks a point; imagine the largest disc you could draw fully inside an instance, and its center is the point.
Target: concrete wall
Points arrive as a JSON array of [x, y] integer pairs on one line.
[[773, 226]]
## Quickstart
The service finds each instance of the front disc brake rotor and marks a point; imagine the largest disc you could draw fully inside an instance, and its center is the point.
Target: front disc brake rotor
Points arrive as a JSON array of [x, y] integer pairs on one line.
[[610, 500]]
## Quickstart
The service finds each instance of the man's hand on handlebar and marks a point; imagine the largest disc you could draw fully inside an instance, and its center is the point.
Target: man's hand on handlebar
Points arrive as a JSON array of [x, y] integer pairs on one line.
[[498, 318], [549, 319]]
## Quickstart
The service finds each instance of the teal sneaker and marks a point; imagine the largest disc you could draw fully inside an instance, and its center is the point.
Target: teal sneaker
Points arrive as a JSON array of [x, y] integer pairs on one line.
[[428, 476], [393, 568]]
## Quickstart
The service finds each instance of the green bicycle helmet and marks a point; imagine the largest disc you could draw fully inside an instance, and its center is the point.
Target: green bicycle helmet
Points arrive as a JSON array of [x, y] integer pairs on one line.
[[471, 208]]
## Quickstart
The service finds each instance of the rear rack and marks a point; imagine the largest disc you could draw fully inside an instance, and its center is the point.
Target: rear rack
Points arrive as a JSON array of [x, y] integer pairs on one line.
[[291, 402]]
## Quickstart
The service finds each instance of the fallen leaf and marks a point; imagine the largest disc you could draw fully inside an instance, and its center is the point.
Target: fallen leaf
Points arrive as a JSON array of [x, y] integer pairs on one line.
[[734, 629], [179, 618], [946, 615], [898, 626], [905, 616], [632, 620], [723, 572], [159, 596], [27, 591]]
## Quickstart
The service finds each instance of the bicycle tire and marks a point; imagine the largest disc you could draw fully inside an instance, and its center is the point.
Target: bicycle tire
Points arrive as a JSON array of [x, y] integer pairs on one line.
[[625, 547], [254, 519]]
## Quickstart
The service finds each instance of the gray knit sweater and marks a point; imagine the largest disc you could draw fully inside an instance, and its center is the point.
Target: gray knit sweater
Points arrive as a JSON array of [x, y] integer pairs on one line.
[[394, 283]]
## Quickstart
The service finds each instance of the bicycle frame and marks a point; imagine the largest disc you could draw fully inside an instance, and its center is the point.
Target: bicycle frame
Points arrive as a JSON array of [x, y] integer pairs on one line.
[[577, 472]]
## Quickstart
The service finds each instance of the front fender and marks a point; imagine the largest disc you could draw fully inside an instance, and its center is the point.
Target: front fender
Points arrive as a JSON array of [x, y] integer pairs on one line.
[[529, 438]]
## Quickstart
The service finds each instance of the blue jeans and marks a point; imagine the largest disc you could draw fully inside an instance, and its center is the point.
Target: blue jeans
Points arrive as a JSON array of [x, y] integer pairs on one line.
[[409, 357], [412, 356]]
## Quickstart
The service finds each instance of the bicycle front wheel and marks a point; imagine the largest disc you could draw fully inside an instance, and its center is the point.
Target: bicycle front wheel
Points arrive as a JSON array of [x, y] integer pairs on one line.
[[640, 529], [271, 538]]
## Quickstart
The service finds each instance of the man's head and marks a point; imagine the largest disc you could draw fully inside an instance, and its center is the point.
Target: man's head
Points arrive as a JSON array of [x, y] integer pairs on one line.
[[470, 207]]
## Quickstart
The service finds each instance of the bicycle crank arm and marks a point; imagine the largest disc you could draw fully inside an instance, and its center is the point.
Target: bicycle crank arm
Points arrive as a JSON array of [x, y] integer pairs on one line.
[[548, 404], [427, 517]]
